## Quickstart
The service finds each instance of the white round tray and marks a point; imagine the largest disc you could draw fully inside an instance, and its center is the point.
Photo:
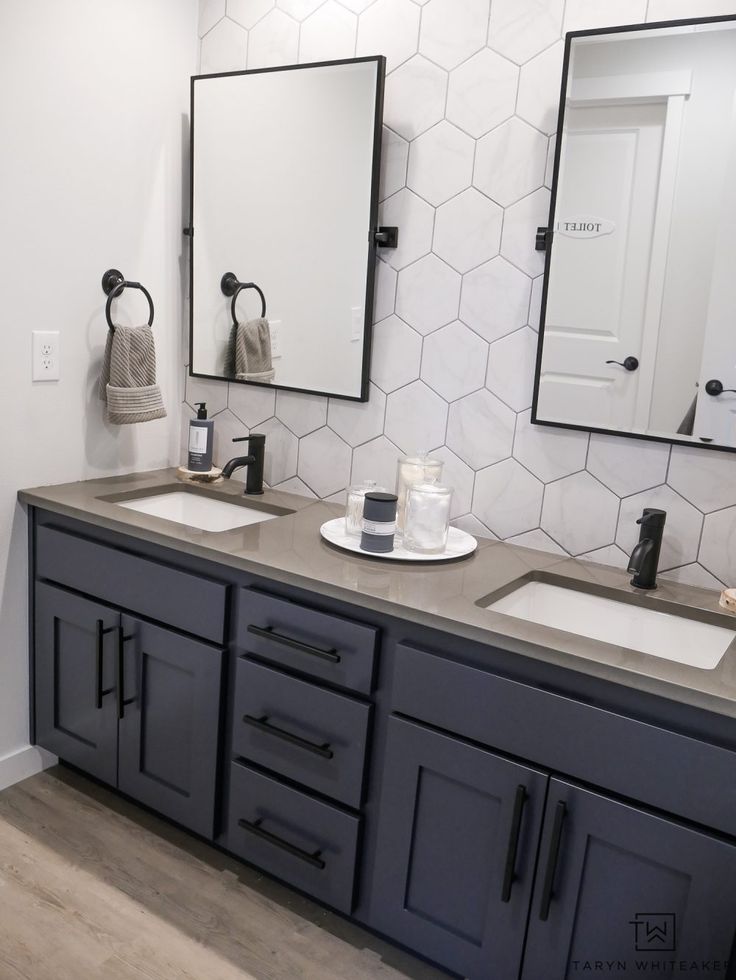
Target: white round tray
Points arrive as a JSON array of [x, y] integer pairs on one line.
[[459, 544]]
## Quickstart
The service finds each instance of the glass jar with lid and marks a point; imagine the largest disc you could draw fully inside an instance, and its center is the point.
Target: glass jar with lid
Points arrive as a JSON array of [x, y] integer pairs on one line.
[[411, 470], [427, 518], [354, 506]]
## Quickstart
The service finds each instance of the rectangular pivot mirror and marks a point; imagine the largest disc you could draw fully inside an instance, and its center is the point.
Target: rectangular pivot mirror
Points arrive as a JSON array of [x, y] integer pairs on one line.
[[285, 169], [638, 332]]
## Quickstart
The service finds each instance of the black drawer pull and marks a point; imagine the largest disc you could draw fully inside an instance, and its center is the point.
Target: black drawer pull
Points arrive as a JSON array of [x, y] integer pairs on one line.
[[257, 830], [268, 633], [513, 845], [554, 853], [263, 725]]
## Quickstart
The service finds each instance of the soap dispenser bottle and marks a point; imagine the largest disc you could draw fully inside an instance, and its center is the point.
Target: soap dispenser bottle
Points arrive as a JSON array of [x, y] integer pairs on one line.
[[201, 437]]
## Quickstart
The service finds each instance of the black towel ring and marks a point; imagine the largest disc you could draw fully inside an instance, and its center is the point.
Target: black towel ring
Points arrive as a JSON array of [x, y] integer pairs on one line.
[[230, 286], [113, 284]]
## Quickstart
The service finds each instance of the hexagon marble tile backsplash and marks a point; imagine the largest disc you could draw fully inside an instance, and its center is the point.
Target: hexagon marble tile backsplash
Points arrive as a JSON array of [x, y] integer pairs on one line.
[[470, 113]]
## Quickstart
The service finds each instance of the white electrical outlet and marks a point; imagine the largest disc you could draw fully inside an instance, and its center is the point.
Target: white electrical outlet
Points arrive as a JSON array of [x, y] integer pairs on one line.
[[45, 355], [275, 327]]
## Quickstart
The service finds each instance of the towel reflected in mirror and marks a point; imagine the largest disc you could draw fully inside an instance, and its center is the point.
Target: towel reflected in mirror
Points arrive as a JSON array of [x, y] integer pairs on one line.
[[248, 355]]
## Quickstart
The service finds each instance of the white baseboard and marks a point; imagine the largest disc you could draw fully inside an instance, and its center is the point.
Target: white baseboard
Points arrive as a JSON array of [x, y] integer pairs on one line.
[[24, 763]]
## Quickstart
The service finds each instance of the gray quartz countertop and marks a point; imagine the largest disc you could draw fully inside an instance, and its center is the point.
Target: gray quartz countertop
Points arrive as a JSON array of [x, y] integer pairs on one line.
[[443, 596]]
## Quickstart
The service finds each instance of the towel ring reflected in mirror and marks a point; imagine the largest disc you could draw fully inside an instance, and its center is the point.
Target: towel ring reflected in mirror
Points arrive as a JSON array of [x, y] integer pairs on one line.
[[231, 286], [113, 284]]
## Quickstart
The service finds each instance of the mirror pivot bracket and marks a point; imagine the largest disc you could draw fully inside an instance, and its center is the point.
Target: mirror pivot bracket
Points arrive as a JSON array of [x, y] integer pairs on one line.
[[386, 236], [543, 239]]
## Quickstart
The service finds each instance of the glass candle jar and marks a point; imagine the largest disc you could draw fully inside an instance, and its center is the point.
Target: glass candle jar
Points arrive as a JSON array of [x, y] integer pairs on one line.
[[427, 518], [354, 507], [412, 470]]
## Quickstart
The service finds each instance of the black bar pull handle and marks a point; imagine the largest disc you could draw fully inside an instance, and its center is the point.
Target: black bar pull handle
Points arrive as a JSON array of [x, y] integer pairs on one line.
[[513, 845], [120, 686], [552, 858], [101, 633], [98, 664], [257, 830], [263, 725], [268, 633]]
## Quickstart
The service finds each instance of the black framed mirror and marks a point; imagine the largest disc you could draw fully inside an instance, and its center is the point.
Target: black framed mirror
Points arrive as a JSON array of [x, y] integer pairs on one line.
[[638, 324], [285, 166]]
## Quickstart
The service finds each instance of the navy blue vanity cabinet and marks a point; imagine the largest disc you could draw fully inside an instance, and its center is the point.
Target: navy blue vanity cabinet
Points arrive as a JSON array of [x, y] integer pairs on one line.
[[592, 875], [300, 730], [501, 817], [618, 884], [457, 842], [299, 734], [329, 648], [132, 703], [76, 716], [168, 732]]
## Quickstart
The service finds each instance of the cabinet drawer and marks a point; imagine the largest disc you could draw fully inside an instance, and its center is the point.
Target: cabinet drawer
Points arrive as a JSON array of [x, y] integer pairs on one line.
[[327, 647], [309, 734], [676, 773], [188, 602], [304, 841]]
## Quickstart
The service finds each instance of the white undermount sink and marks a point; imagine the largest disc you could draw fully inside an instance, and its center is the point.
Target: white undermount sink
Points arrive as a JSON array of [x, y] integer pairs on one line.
[[205, 513], [624, 624]]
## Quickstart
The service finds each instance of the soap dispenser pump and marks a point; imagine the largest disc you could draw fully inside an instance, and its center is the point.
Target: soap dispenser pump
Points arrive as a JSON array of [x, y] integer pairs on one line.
[[201, 438]]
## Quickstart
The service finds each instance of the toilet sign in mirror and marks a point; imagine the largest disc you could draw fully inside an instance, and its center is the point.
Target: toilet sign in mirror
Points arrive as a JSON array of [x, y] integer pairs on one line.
[[638, 331], [285, 166]]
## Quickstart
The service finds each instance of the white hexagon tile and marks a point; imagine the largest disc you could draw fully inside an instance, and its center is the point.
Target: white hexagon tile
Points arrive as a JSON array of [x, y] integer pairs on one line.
[[470, 114], [328, 33], [482, 92], [495, 299], [467, 230], [390, 28], [210, 12], [247, 13], [454, 360]]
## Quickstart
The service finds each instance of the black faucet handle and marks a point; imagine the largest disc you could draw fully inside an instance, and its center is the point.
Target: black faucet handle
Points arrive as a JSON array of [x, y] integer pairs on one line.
[[652, 517], [254, 436]]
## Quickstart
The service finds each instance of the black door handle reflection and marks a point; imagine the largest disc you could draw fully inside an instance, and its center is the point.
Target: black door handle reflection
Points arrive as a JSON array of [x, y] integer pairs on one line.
[[629, 363], [715, 387]]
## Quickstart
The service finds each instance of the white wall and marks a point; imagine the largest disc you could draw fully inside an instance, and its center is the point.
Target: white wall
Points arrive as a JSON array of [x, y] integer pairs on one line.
[[471, 107], [93, 130]]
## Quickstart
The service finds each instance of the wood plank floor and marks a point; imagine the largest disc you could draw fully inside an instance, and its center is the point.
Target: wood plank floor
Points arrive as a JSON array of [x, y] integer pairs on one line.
[[94, 887]]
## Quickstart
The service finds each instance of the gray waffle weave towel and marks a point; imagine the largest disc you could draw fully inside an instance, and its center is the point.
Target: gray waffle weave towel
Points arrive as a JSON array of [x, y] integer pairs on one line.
[[128, 379], [252, 349]]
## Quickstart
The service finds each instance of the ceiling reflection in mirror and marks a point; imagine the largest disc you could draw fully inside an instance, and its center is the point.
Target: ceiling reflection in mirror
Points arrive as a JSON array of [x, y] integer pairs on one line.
[[284, 197], [638, 328]]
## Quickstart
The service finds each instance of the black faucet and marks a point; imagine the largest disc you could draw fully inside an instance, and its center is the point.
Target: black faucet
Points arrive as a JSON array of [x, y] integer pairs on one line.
[[645, 556], [254, 461]]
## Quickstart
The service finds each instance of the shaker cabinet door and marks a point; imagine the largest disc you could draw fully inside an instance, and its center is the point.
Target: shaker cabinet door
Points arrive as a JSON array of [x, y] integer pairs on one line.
[[457, 839], [621, 886], [75, 680], [169, 724]]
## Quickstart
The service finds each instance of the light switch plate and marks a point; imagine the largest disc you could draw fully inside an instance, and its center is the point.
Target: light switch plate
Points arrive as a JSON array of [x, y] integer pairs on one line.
[[45, 355], [357, 317], [275, 327]]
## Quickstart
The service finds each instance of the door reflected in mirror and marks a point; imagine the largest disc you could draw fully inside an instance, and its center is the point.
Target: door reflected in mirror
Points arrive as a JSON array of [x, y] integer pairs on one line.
[[285, 166], [638, 330]]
